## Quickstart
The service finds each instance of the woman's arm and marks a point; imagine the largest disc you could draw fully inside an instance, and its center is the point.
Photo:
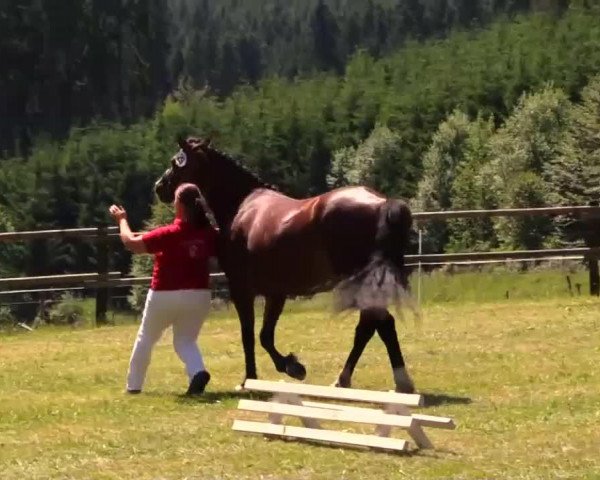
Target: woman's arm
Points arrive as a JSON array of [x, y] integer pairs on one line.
[[133, 242]]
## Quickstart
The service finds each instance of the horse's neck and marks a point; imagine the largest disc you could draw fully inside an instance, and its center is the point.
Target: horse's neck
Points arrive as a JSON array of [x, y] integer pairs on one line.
[[224, 207], [232, 185], [225, 201]]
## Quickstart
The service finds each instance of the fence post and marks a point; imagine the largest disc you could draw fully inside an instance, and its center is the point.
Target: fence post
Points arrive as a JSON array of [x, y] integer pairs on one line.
[[419, 284], [591, 227], [594, 276], [102, 262]]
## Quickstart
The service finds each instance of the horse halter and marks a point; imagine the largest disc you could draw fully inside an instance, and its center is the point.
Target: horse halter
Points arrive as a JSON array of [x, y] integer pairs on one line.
[[180, 159]]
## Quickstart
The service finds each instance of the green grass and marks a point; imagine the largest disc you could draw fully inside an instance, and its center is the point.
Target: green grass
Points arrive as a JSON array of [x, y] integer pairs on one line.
[[520, 378], [499, 284]]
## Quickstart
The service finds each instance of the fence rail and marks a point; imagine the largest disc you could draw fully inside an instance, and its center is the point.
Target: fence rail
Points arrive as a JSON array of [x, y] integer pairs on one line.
[[583, 211], [520, 254], [89, 233], [103, 280], [56, 280]]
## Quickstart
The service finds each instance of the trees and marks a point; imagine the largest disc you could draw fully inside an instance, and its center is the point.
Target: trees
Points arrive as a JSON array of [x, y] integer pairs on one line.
[[443, 109], [10, 255], [521, 150], [376, 162], [470, 191], [447, 152], [574, 174], [67, 63], [325, 33]]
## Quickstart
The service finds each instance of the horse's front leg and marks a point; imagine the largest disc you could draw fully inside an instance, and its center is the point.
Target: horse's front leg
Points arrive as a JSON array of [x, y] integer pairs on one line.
[[289, 364], [244, 305]]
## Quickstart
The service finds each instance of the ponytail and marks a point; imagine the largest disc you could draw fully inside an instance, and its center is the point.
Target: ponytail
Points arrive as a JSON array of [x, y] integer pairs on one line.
[[191, 199], [197, 214]]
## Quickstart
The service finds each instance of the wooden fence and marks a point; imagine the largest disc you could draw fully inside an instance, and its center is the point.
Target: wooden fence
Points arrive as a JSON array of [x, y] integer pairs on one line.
[[102, 280]]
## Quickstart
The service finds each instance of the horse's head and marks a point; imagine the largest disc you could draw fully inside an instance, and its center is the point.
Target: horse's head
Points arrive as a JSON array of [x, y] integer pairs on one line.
[[189, 165]]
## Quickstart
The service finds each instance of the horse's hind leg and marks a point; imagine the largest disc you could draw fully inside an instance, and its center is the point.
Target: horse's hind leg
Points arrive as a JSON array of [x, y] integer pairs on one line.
[[365, 329], [289, 364], [386, 328]]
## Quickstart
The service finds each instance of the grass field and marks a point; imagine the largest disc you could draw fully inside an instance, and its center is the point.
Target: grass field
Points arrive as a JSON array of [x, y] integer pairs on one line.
[[520, 378]]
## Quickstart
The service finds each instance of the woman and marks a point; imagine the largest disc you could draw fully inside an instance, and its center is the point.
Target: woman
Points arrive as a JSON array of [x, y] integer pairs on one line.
[[179, 294]]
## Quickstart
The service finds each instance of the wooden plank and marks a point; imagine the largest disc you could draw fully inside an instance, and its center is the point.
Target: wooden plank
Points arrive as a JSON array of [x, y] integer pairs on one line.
[[52, 280], [375, 418], [520, 254], [114, 281], [505, 212], [130, 281], [291, 399], [344, 438], [349, 394], [435, 422], [46, 234], [415, 431], [502, 261], [274, 417], [39, 290], [424, 420], [419, 436]]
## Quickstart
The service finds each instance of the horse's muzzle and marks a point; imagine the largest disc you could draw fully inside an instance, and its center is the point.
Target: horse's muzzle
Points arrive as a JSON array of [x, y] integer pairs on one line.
[[163, 192]]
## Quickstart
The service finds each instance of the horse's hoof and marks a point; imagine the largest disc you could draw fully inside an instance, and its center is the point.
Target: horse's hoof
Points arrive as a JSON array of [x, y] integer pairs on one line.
[[294, 368], [242, 386], [343, 381], [342, 384], [405, 388], [404, 383]]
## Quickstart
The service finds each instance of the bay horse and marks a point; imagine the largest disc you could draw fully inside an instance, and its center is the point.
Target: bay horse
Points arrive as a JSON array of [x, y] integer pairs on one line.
[[272, 245]]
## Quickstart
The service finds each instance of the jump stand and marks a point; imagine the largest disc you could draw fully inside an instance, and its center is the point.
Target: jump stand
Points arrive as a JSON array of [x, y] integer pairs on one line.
[[288, 401]]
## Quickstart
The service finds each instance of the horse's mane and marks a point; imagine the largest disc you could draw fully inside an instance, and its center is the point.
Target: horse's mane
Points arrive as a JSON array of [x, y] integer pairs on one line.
[[238, 164]]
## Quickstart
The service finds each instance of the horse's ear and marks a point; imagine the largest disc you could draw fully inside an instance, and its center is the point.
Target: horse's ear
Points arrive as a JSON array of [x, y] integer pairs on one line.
[[208, 141], [182, 142]]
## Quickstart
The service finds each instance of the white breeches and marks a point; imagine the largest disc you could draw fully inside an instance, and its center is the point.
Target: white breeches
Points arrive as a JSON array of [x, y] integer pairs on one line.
[[186, 310]]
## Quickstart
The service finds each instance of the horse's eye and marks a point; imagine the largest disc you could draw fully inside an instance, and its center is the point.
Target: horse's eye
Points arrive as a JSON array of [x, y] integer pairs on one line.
[[180, 158]]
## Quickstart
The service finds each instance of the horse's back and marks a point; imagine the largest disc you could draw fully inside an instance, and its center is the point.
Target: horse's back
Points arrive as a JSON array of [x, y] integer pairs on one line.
[[352, 197], [266, 216], [299, 246]]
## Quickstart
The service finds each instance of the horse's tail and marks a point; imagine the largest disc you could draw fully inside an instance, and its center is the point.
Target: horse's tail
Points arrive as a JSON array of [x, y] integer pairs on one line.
[[384, 280]]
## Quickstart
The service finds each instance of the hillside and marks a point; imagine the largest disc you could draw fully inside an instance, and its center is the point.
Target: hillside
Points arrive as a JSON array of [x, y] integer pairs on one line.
[[380, 112]]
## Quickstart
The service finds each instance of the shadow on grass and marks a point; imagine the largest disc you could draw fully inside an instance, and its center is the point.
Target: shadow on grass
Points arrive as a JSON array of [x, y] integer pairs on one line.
[[332, 446], [435, 453], [436, 399], [430, 399], [222, 396], [218, 396]]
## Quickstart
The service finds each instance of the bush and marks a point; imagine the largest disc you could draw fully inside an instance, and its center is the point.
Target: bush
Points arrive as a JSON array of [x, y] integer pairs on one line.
[[7, 319], [67, 311]]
